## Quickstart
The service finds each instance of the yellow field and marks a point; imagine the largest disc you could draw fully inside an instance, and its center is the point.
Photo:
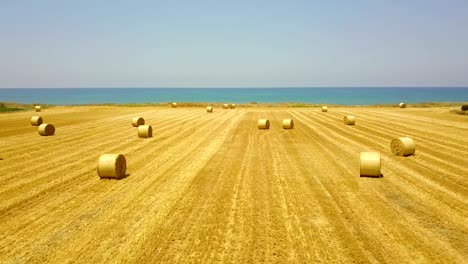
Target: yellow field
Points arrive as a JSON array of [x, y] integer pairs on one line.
[[213, 188]]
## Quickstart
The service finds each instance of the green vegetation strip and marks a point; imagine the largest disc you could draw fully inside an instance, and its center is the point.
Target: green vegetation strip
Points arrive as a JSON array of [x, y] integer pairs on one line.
[[4, 108]]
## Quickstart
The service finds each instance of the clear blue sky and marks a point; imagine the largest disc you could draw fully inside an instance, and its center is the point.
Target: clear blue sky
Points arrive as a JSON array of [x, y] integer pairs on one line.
[[271, 43]]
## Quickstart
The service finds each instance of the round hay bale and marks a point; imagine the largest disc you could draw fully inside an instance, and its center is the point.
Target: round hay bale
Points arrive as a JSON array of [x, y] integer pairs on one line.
[[402, 105], [403, 146], [209, 109], [288, 124], [145, 131], [324, 108], [370, 164], [232, 106], [138, 121], [36, 121], [349, 120], [174, 105], [225, 106], [46, 130], [38, 108], [263, 124], [464, 107], [112, 166]]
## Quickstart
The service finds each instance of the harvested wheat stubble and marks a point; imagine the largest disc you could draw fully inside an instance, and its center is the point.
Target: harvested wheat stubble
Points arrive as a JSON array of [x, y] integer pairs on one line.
[[370, 164], [209, 109], [403, 146], [464, 107], [402, 105], [46, 130], [263, 124], [232, 106], [324, 109], [138, 121], [225, 106], [112, 166], [288, 124], [349, 120], [174, 105], [38, 108], [145, 131], [36, 121]]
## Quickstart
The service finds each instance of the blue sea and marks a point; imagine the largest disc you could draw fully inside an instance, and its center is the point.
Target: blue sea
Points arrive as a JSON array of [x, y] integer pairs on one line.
[[344, 96]]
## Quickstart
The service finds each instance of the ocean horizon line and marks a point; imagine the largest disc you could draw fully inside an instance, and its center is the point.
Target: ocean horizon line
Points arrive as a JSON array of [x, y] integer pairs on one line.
[[247, 87]]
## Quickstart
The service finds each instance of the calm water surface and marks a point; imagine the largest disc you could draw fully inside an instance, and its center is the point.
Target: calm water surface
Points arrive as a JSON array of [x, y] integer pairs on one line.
[[345, 96]]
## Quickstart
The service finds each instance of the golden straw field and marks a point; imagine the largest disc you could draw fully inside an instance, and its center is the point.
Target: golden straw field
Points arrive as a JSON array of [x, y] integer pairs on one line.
[[212, 187]]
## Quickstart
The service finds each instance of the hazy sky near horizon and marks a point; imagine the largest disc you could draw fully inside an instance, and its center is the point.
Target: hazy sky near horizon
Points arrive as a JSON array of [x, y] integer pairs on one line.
[[270, 43]]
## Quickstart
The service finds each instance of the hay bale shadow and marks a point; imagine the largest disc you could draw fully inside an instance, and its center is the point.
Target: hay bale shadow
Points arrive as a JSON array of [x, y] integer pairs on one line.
[[459, 112], [372, 177], [115, 179], [123, 177]]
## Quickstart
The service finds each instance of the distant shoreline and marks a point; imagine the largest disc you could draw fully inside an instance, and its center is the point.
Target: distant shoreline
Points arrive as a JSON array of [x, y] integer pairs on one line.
[[203, 104]]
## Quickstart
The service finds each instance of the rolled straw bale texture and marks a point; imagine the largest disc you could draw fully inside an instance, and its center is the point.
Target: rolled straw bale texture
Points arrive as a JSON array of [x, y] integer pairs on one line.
[[464, 107], [402, 105], [232, 106], [138, 121], [263, 124], [36, 121], [38, 108], [225, 106], [349, 120], [174, 105], [288, 124], [370, 164], [46, 130], [403, 146], [145, 131], [112, 166], [324, 109], [209, 109]]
